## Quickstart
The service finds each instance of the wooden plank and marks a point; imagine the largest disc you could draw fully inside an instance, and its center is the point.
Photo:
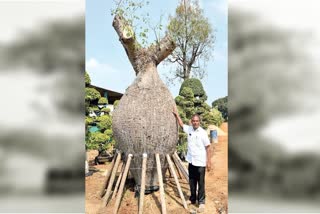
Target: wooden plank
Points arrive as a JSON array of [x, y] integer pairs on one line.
[[107, 176], [162, 196], [143, 182], [113, 175], [123, 181], [177, 182], [118, 181], [181, 168]]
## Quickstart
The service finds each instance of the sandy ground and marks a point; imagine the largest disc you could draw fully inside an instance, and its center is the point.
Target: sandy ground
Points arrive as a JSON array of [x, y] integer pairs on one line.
[[216, 189]]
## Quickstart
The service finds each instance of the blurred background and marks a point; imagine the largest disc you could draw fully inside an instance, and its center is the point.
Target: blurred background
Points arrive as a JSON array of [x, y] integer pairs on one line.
[[274, 161], [42, 58]]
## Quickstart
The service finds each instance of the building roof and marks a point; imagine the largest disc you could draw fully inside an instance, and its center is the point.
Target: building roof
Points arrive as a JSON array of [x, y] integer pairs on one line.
[[112, 95]]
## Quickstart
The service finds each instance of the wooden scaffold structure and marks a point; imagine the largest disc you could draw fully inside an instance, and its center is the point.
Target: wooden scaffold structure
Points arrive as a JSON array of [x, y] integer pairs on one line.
[[113, 189]]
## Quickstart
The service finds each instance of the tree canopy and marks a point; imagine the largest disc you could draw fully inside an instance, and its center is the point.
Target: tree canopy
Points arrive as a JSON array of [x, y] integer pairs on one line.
[[222, 105], [194, 38]]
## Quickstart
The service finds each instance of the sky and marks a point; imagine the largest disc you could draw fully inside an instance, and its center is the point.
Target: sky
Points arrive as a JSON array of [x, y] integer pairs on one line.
[[109, 67]]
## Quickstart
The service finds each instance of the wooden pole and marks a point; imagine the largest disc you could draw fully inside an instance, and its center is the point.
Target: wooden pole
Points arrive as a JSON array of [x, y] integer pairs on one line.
[[181, 163], [170, 174], [123, 181], [177, 170], [143, 182], [181, 168], [177, 182], [118, 181], [162, 196], [113, 175], [107, 176]]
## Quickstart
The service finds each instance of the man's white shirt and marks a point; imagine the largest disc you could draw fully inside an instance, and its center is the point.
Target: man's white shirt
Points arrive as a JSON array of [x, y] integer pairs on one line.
[[197, 142]]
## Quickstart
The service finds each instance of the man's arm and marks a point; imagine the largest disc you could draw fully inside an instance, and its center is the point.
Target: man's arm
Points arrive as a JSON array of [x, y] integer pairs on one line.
[[175, 112], [208, 150]]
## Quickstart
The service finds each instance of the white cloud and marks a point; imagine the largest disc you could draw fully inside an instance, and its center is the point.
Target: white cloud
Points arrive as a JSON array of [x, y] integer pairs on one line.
[[93, 65]]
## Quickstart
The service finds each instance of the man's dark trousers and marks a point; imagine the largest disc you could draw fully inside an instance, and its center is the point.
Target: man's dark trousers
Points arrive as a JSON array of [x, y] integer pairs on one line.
[[196, 177]]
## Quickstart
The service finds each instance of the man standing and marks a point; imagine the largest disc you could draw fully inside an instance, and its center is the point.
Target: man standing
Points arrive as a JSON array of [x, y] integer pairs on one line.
[[198, 156]]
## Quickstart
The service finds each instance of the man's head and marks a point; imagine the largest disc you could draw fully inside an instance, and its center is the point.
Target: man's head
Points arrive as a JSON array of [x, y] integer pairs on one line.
[[195, 121]]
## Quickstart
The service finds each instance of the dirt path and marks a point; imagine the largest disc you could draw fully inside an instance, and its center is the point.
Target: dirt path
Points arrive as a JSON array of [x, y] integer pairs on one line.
[[216, 189]]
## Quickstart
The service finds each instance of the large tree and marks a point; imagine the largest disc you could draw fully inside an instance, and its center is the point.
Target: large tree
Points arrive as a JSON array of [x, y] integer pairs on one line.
[[143, 121], [222, 105], [194, 37]]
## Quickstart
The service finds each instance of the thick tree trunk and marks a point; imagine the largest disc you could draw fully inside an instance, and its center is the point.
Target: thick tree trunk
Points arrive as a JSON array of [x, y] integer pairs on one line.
[[143, 121]]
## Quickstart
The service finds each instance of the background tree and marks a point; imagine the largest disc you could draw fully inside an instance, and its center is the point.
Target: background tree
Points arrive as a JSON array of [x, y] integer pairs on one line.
[[194, 38], [102, 136], [192, 99], [222, 105]]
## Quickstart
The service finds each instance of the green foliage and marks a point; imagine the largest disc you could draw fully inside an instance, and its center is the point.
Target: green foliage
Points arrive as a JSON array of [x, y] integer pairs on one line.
[[89, 121], [115, 104], [103, 138], [200, 110], [212, 117], [222, 105], [108, 132], [179, 100], [106, 110], [187, 93], [138, 21], [87, 79], [95, 139], [188, 104], [104, 122], [195, 85], [94, 109], [182, 147], [194, 36], [103, 101], [91, 95]]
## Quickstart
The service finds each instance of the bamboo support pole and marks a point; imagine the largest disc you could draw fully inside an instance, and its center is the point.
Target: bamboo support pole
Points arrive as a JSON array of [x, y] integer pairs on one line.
[[181, 168], [181, 163], [162, 196], [170, 174], [118, 181], [177, 182], [143, 182], [177, 170], [123, 181], [113, 175], [107, 176]]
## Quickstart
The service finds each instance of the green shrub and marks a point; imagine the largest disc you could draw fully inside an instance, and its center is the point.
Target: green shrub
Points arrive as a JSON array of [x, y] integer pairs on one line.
[[103, 101], [104, 122], [106, 110], [195, 85], [115, 104], [108, 132], [179, 99], [87, 79], [187, 93], [96, 139], [213, 117], [89, 121], [91, 94]]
